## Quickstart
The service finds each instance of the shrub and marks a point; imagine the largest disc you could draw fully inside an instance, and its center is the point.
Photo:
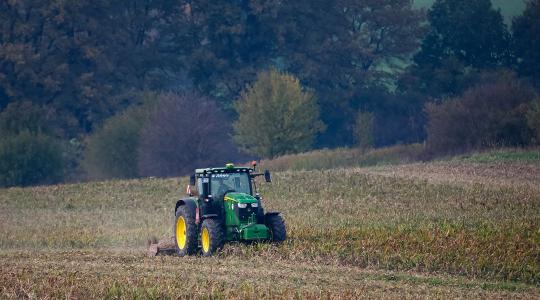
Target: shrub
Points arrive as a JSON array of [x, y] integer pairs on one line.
[[28, 159], [276, 116], [111, 152], [398, 116], [533, 119], [485, 116], [363, 130], [186, 131]]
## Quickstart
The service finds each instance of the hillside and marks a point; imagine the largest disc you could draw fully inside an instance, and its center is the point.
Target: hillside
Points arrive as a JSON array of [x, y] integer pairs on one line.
[[455, 228]]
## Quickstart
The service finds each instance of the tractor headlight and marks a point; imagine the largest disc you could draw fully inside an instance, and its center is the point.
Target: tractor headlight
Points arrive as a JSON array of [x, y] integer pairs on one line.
[[254, 204], [242, 205]]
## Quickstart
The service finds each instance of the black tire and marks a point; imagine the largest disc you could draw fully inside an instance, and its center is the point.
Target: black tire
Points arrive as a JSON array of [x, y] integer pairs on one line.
[[260, 212], [276, 224], [213, 228], [188, 245]]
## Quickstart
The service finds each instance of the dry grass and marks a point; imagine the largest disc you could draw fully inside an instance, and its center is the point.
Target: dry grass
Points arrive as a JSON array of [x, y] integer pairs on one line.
[[90, 273], [413, 231], [494, 174], [344, 158]]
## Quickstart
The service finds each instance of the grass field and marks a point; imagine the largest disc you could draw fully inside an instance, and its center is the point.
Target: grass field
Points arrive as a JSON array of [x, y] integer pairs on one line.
[[326, 159], [454, 228]]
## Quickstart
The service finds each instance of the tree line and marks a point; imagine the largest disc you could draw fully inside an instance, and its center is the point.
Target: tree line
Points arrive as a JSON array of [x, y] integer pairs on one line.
[[108, 89]]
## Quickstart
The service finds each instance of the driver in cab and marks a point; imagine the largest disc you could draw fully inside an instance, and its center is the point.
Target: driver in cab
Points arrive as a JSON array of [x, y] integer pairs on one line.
[[222, 187]]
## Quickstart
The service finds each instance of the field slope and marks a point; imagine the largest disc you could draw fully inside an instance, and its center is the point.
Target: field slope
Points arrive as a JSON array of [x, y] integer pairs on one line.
[[438, 230]]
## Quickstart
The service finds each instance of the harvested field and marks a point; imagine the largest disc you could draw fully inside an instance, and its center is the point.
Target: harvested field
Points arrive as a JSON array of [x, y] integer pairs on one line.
[[439, 230], [128, 274], [498, 174]]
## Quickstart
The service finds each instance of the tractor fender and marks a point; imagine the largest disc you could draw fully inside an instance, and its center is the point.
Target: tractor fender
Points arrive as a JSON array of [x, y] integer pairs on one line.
[[268, 214], [188, 202]]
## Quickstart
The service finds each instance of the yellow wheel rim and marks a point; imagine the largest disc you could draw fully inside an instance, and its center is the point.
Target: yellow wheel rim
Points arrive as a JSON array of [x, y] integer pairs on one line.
[[205, 239], [181, 232]]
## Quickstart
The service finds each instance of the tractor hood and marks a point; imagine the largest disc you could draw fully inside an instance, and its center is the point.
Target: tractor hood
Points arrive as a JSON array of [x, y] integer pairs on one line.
[[240, 198]]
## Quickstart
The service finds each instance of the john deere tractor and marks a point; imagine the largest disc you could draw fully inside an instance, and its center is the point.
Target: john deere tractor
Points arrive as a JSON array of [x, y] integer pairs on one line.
[[222, 206]]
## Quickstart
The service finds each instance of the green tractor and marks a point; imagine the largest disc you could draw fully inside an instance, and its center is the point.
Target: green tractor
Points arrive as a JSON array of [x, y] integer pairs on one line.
[[222, 206]]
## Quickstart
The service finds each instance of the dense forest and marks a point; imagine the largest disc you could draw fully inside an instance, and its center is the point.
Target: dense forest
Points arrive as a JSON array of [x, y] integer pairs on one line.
[[121, 89]]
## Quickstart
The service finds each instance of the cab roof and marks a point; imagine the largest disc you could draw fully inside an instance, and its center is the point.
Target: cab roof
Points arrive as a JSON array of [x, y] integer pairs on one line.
[[226, 169]]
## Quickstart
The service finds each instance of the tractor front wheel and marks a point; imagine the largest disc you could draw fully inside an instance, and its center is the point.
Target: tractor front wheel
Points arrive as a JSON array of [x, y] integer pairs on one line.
[[276, 224], [211, 237], [185, 231]]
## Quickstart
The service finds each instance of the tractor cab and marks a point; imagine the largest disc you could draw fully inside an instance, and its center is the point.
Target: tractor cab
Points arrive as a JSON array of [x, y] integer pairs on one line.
[[215, 183], [229, 193]]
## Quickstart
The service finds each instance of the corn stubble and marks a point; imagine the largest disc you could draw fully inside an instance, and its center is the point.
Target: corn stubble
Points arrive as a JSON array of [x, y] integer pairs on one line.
[[414, 231]]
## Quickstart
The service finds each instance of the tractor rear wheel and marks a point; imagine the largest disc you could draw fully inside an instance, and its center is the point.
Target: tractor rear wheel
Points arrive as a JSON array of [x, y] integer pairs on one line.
[[211, 237], [185, 231], [276, 224]]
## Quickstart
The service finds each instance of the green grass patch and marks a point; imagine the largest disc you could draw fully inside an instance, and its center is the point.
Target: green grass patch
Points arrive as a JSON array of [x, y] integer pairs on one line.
[[327, 159], [457, 282], [504, 155], [345, 158]]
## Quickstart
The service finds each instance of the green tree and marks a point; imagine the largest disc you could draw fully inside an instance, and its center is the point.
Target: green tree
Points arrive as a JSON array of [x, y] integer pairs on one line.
[[465, 38], [27, 116], [225, 43], [83, 58], [342, 48], [363, 130], [276, 116], [111, 152], [526, 32], [28, 159], [336, 48]]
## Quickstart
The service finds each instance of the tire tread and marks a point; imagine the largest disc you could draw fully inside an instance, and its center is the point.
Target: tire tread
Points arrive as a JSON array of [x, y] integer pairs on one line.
[[217, 238], [276, 224], [191, 231]]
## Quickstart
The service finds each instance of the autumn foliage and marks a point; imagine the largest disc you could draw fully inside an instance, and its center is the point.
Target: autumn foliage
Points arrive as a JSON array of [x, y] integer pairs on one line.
[[489, 115]]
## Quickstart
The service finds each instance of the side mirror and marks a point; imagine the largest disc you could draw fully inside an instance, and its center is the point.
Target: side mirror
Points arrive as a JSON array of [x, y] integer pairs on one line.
[[192, 180], [205, 189], [267, 176]]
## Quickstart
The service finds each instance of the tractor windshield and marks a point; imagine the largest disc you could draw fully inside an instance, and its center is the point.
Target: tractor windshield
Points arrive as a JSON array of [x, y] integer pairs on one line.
[[222, 183]]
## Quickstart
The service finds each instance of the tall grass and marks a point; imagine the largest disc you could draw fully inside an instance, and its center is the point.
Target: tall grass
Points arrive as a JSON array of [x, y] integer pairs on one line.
[[344, 158], [327, 159], [531, 155], [352, 232]]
